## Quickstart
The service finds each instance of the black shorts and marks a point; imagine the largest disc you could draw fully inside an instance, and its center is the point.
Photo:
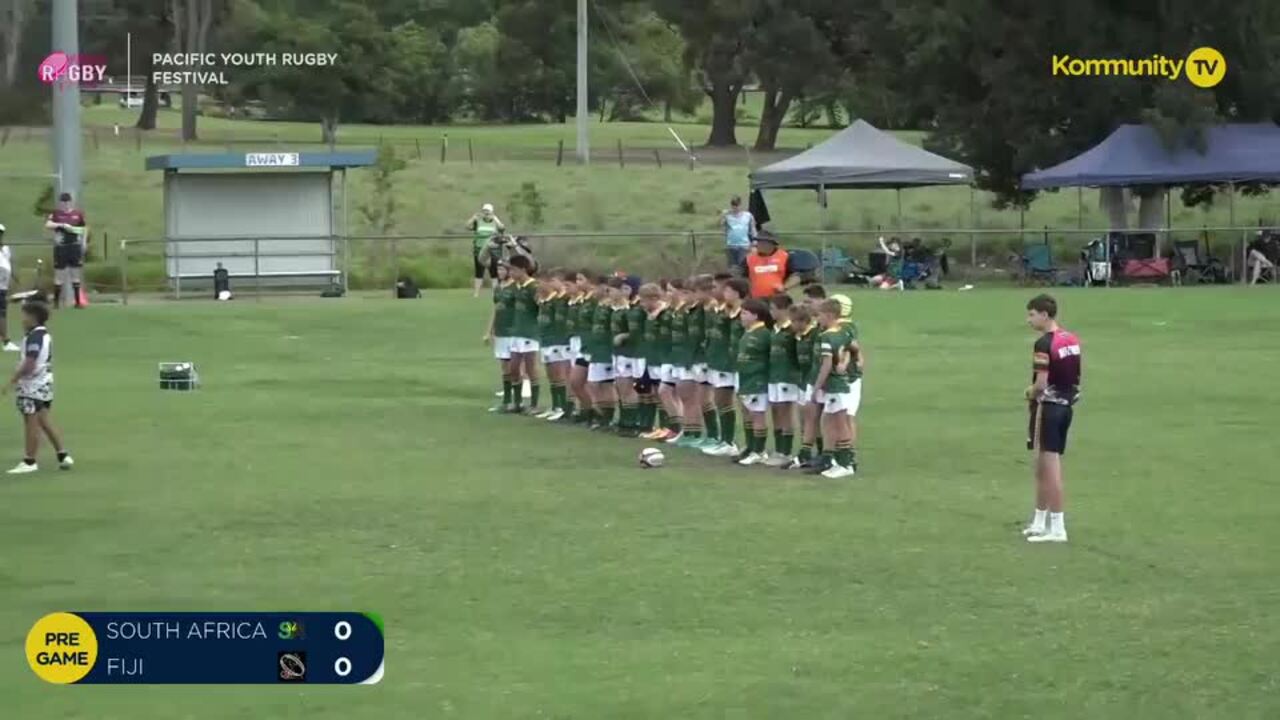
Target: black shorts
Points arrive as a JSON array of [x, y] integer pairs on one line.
[[4, 305], [31, 406], [480, 267], [581, 362], [67, 255], [1048, 426]]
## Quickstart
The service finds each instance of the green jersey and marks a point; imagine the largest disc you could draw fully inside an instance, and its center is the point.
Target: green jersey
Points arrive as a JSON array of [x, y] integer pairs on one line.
[[655, 345], [552, 316], [807, 357], [753, 360], [784, 365], [573, 317], [635, 319], [484, 229], [524, 321], [504, 301], [834, 343], [696, 333], [718, 324], [618, 326], [598, 343], [681, 350]]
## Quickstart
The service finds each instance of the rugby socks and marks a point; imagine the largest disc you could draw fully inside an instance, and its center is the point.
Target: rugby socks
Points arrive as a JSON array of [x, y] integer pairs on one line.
[[664, 418], [821, 450], [559, 399], [629, 417], [788, 442], [806, 453], [62, 457], [759, 439], [506, 391], [648, 411], [75, 288], [844, 454], [32, 461], [728, 425], [57, 296], [534, 391], [778, 444], [710, 420]]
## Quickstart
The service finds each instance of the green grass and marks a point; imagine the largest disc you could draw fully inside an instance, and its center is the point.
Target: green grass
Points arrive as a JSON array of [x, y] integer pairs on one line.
[[339, 457]]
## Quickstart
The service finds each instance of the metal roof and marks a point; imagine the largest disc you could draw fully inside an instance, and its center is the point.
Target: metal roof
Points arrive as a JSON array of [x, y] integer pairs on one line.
[[262, 160]]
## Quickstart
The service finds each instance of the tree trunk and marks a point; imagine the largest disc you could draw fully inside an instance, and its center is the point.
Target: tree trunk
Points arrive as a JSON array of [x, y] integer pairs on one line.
[[12, 21], [150, 97], [1116, 207], [666, 111], [724, 123], [1151, 209], [776, 104]]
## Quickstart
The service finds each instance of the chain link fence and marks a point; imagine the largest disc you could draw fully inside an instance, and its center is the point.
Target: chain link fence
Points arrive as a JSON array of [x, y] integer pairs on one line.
[[154, 266]]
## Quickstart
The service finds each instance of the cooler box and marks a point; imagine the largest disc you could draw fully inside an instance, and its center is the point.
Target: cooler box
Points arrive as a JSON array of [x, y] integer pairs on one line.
[[179, 376]]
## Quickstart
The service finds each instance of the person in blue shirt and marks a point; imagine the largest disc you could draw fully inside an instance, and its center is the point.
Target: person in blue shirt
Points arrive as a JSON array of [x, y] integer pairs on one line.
[[740, 229]]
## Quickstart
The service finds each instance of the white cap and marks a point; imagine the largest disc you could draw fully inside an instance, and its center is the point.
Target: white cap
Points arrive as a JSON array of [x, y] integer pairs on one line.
[[487, 207], [1, 227]]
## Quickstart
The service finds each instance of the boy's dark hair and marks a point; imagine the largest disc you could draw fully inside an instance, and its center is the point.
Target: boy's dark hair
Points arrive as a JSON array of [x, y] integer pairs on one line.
[[569, 275], [704, 283], [740, 286], [801, 314], [817, 292], [37, 310], [616, 282], [781, 301], [722, 277], [1045, 304], [676, 284], [759, 309], [521, 262]]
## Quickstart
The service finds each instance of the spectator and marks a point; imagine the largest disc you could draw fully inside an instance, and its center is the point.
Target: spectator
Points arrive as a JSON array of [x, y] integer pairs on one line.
[[767, 268], [502, 247], [6, 274], [1262, 256], [485, 226], [739, 229], [70, 239]]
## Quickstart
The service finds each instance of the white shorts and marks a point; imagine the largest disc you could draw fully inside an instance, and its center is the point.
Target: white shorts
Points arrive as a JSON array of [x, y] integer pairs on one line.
[[575, 347], [682, 373], [628, 367], [502, 348], [600, 372], [523, 345], [699, 372], [667, 374], [755, 403], [846, 402], [722, 379], [806, 395], [784, 393], [556, 353]]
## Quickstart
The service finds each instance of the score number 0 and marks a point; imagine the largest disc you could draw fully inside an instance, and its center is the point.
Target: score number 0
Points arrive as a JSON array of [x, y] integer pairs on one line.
[[342, 631]]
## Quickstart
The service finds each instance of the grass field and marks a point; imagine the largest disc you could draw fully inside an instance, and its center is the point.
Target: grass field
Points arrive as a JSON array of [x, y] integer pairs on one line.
[[340, 457]]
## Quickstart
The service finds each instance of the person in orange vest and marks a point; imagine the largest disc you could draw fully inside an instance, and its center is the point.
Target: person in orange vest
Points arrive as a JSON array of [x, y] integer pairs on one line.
[[767, 268]]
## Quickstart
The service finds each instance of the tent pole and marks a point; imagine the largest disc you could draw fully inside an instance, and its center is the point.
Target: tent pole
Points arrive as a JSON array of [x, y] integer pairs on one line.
[[973, 225], [1079, 207], [1231, 204], [898, 191], [822, 226]]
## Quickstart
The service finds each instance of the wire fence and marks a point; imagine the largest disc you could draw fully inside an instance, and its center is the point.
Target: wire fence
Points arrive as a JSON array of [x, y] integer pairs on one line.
[[267, 265]]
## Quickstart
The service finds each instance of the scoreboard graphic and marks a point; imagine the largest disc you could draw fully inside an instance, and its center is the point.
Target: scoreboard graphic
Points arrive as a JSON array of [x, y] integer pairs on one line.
[[88, 648]]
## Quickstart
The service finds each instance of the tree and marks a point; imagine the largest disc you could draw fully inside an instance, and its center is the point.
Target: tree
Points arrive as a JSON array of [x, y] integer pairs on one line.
[[192, 22], [14, 15], [717, 34]]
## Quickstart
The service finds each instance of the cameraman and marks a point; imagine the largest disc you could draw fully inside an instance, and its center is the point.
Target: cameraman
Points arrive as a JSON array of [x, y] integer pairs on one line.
[[502, 247]]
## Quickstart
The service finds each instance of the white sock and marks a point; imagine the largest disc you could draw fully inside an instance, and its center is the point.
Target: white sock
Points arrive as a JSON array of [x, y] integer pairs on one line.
[[1057, 523], [1039, 519]]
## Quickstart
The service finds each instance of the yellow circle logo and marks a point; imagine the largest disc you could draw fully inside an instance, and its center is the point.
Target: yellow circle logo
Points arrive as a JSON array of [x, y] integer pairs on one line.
[[1206, 67], [61, 648]]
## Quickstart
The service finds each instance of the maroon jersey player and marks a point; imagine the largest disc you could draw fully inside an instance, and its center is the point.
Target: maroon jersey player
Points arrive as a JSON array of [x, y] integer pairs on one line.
[[1054, 389], [69, 238]]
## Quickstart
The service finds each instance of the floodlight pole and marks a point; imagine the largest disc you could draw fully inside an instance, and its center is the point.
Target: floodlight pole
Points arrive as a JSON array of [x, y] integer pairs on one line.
[[66, 102], [584, 142]]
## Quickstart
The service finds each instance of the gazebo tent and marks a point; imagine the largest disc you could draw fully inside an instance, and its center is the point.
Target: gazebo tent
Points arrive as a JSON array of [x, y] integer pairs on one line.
[[860, 156], [1136, 155]]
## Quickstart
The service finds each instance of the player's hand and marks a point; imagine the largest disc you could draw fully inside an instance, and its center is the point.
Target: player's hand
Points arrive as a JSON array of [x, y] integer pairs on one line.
[[1030, 392], [487, 339], [619, 339]]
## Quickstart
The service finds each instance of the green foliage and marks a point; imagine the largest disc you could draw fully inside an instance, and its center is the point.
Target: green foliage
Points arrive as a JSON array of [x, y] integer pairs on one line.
[[44, 204], [379, 210], [688, 207]]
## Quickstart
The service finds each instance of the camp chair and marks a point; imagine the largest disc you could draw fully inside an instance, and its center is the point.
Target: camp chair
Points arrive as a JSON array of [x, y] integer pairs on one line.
[[836, 265], [1037, 264], [1190, 263], [803, 263], [1097, 263]]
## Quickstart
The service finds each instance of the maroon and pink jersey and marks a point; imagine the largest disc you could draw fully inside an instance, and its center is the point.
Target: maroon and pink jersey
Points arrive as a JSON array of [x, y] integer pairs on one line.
[[73, 217], [1059, 353]]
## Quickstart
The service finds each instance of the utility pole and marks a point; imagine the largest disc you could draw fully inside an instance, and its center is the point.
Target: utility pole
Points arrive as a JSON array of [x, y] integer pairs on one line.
[[66, 102], [584, 141]]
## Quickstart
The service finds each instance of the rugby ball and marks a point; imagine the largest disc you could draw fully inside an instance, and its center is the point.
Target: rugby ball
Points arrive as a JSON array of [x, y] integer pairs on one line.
[[652, 458]]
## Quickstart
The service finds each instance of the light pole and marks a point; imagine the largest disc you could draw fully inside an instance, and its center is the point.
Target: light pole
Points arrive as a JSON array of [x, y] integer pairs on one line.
[[66, 102], [584, 142]]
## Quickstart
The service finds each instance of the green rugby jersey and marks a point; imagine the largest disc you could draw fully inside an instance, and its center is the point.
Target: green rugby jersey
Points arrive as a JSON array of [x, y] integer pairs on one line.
[[551, 320], [717, 326], [504, 299], [696, 332], [834, 343], [807, 358], [655, 344], [753, 360], [681, 352], [589, 326], [784, 366], [634, 346], [572, 316], [617, 326], [524, 319]]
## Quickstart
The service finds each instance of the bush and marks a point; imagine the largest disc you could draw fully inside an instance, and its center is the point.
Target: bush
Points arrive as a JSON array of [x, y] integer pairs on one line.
[[688, 207]]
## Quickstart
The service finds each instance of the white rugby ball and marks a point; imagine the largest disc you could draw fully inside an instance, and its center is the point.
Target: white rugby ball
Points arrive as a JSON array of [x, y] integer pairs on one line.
[[652, 458]]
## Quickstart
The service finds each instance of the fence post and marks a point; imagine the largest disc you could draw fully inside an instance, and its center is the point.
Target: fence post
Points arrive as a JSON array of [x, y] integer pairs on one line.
[[123, 260], [418, 144], [177, 269], [395, 264], [658, 157], [471, 152], [560, 154], [346, 264], [822, 260], [257, 269], [444, 148], [106, 245], [693, 245], [973, 253], [621, 163]]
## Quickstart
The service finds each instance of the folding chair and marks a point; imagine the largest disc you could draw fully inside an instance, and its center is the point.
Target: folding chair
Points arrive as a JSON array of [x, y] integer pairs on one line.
[[836, 265], [1037, 264], [1191, 264]]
